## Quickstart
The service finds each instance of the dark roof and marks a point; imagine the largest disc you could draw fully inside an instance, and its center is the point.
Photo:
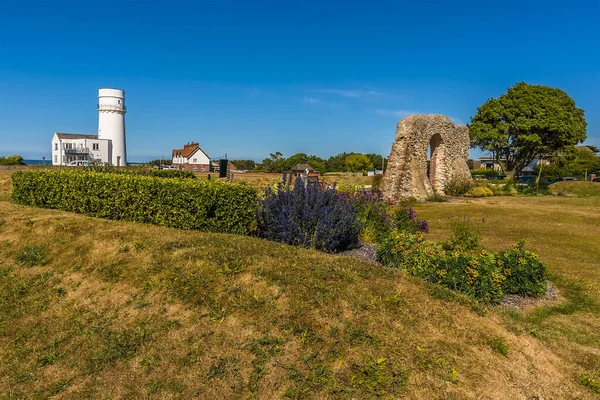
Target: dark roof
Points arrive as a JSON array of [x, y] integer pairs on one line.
[[302, 167], [75, 136], [188, 150]]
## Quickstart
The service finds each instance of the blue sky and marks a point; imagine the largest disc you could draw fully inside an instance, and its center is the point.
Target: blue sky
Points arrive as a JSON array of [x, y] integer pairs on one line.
[[248, 78]]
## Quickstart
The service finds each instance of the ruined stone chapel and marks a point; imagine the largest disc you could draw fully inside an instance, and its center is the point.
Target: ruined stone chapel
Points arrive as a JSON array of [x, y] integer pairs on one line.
[[408, 173]]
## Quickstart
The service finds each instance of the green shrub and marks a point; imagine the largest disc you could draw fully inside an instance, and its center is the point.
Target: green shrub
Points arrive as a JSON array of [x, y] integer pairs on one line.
[[457, 187], [184, 204], [158, 173], [405, 220], [525, 273], [437, 197], [12, 160], [484, 276], [479, 191], [534, 189], [372, 213], [465, 235]]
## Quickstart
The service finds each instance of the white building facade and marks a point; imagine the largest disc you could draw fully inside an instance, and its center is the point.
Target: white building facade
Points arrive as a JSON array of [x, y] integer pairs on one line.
[[76, 149], [108, 147]]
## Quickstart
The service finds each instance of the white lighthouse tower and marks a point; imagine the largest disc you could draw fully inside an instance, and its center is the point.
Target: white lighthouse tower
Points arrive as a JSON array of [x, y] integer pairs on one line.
[[111, 124]]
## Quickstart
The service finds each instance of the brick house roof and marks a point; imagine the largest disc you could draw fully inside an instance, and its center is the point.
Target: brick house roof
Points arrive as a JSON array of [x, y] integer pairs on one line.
[[188, 150]]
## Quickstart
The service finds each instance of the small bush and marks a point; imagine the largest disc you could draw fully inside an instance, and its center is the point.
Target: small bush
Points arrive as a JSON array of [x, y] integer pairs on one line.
[[12, 160], [177, 203], [534, 189], [32, 256], [437, 197], [525, 273], [372, 214], [405, 220], [465, 236], [479, 191], [308, 217], [458, 187]]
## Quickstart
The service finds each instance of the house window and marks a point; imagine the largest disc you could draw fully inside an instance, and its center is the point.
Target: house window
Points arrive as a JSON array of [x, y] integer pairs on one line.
[[95, 146], [194, 160], [55, 146], [55, 159]]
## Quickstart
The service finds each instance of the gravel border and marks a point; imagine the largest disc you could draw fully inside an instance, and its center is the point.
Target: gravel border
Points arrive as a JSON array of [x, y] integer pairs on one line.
[[364, 251]]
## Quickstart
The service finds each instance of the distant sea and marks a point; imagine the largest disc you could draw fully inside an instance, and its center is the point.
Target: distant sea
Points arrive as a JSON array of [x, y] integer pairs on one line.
[[49, 162]]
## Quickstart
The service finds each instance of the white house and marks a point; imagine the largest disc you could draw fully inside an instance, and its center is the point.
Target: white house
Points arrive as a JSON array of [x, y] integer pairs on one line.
[[68, 148], [191, 157], [108, 147]]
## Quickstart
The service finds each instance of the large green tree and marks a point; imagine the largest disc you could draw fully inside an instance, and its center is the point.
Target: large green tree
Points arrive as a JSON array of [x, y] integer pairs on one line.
[[527, 122], [358, 162]]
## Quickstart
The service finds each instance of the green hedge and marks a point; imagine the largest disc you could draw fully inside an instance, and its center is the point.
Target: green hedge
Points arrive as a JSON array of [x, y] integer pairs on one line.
[[159, 173], [185, 204]]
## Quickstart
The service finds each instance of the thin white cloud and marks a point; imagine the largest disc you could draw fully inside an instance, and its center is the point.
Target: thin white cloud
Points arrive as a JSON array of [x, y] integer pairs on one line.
[[312, 100], [406, 113], [316, 101], [395, 113], [351, 93]]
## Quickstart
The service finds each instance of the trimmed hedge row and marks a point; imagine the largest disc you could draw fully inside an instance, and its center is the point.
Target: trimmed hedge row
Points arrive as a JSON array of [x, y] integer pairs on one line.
[[158, 173], [185, 204]]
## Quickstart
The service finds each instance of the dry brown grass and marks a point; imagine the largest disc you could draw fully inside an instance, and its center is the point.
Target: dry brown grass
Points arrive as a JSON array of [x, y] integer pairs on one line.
[[127, 310]]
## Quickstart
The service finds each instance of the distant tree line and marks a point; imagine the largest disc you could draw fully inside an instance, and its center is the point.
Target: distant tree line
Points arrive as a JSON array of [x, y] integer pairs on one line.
[[343, 162], [160, 162]]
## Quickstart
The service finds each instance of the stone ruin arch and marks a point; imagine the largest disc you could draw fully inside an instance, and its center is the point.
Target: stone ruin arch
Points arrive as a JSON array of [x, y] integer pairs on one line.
[[406, 174]]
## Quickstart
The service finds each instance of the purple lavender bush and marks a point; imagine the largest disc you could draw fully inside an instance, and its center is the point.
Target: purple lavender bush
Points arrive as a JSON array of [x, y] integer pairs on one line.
[[310, 217], [406, 220]]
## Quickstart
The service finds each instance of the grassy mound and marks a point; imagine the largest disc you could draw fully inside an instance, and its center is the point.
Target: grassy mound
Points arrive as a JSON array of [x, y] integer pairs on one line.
[[576, 188], [92, 308]]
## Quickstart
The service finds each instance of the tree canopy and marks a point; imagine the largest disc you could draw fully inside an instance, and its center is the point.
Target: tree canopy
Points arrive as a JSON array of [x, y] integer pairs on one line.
[[576, 163], [358, 162], [527, 122]]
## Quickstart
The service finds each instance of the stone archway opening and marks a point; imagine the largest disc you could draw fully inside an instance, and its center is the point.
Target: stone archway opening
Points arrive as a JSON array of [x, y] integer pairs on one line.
[[436, 171]]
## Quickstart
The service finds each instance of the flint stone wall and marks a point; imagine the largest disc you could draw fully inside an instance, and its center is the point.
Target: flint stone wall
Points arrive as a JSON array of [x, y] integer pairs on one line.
[[406, 173]]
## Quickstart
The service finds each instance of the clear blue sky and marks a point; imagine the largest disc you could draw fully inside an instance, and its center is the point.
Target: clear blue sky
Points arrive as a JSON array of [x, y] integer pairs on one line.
[[248, 78]]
